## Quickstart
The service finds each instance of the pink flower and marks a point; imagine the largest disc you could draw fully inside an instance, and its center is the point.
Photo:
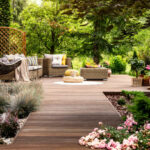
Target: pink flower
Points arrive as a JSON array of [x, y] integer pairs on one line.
[[82, 141], [100, 123], [119, 128], [98, 144], [147, 126], [95, 129], [130, 143], [130, 122], [112, 145], [148, 67]]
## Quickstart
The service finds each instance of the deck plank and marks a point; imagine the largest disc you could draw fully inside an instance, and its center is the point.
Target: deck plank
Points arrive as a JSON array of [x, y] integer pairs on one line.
[[67, 113]]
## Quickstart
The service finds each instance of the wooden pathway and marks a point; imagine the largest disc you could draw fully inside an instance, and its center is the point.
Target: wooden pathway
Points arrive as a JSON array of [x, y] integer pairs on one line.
[[67, 113]]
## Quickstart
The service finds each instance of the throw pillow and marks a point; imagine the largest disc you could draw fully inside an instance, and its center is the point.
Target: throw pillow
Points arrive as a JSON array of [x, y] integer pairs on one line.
[[48, 56], [32, 61], [57, 60], [64, 59]]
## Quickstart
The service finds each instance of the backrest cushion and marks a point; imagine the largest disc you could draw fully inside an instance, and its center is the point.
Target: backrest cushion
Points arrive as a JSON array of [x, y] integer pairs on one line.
[[64, 59], [48, 56], [32, 61], [57, 59]]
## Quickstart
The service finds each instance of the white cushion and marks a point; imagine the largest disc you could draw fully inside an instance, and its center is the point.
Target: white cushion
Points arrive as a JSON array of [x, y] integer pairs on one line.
[[34, 67], [48, 56], [57, 59]]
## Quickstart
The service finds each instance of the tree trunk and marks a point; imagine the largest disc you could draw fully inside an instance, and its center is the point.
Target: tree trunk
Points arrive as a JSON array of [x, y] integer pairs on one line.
[[52, 50], [96, 55]]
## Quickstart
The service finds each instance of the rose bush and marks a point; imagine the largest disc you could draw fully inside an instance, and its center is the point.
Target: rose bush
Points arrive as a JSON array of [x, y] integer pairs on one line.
[[127, 136]]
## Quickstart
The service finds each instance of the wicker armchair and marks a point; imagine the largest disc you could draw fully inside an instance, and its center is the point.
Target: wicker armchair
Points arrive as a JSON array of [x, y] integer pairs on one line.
[[33, 74], [56, 71]]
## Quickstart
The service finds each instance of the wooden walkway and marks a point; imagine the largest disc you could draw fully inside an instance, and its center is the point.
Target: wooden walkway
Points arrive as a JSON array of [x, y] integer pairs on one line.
[[67, 113]]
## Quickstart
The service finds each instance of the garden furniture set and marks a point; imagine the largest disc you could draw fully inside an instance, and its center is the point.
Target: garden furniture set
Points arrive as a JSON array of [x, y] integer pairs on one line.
[[53, 66]]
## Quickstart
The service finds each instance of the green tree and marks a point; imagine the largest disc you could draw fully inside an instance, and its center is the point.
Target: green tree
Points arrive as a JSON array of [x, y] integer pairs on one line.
[[44, 26], [108, 16], [17, 8], [5, 16]]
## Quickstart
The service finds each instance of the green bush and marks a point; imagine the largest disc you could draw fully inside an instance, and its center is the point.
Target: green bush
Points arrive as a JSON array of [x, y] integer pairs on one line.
[[140, 108], [118, 65], [121, 101], [132, 94]]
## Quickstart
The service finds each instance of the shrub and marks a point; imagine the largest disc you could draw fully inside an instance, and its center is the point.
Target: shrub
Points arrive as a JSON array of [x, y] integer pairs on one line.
[[8, 126], [131, 94], [140, 108], [121, 101], [27, 101], [118, 65]]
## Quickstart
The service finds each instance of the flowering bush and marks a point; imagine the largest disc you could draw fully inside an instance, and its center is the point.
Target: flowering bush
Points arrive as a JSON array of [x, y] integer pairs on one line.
[[125, 137], [8, 125]]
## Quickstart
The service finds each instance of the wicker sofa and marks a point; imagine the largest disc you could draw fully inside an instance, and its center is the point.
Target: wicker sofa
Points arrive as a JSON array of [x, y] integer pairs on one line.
[[56, 71], [34, 72]]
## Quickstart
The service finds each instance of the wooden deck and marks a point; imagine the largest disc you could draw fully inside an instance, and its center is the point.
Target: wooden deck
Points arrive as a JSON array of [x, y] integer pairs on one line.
[[67, 113]]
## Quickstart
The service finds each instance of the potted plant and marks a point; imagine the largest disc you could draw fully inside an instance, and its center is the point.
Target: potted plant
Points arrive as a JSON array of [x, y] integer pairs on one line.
[[146, 78], [136, 65]]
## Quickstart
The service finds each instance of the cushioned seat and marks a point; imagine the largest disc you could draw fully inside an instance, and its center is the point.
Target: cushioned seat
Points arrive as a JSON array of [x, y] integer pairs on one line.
[[34, 67], [59, 66]]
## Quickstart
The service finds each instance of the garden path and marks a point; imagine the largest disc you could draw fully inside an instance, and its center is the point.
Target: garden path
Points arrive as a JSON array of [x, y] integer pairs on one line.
[[69, 112]]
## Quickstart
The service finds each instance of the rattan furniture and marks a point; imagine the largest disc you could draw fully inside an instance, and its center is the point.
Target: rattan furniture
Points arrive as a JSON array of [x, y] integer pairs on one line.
[[94, 73], [33, 74], [56, 71]]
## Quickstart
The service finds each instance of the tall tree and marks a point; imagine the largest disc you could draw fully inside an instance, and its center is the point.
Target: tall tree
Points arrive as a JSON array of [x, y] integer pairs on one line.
[[5, 16], [17, 8], [106, 16], [44, 27]]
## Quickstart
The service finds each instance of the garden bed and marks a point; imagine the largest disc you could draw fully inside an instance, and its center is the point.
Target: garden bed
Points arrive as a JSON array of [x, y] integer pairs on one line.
[[17, 101], [113, 97], [133, 133]]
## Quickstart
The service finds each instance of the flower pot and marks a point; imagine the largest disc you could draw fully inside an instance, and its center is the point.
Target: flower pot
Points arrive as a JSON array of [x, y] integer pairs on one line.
[[146, 82], [136, 82], [109, 72]]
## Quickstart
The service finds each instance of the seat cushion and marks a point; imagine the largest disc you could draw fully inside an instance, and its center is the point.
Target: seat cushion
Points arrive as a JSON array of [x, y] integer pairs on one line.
[[59, 66], [31, 68]]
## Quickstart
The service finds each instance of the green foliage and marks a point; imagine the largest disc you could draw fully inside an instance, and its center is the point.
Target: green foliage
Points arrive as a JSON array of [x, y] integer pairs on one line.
[[132, 94], [137, 65], [45, 26], [5, 16], [140, 108], [9, 126], [17, 7], [117, 64], [121, 101], [142, 40]]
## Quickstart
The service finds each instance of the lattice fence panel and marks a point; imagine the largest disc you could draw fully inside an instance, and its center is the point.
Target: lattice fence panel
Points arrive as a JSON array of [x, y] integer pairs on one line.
[[12, 41]]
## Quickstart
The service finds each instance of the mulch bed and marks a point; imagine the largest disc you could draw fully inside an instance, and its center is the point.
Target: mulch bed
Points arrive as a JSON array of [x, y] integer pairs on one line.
[[113, 98]]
